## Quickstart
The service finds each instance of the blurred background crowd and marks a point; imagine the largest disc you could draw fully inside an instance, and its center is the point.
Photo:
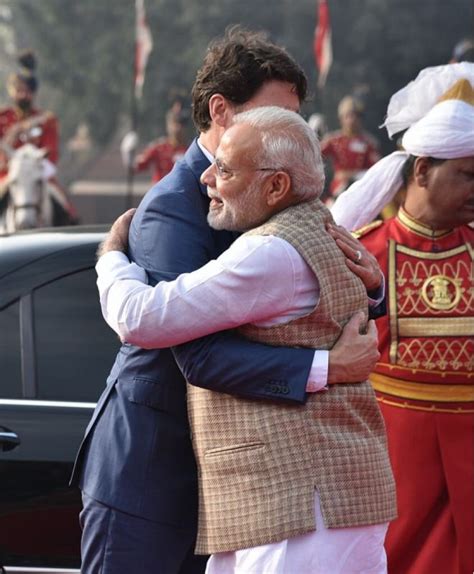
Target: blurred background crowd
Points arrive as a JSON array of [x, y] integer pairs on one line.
[[85, 73]]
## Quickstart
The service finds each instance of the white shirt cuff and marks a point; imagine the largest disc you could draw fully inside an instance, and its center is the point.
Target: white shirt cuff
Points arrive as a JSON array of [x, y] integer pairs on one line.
[[115, 265], [318, 374]]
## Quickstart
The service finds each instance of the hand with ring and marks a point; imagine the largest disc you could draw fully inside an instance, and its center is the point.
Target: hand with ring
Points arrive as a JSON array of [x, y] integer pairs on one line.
[[358, 259]]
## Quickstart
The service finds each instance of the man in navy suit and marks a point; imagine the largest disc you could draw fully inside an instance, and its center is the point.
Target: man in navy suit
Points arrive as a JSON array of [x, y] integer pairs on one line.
[[135, 466]]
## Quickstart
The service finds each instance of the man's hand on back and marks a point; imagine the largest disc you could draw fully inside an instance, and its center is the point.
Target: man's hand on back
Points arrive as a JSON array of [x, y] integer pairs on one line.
[[353, 357], [358, 259], [117, 238]]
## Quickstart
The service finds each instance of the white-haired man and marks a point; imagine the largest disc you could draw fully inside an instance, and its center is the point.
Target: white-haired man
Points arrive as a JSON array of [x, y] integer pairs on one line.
[[282, 489], [424, 377]]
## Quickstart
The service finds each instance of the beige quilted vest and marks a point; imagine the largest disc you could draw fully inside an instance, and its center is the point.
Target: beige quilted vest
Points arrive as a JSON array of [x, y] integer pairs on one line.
[[260, 462]]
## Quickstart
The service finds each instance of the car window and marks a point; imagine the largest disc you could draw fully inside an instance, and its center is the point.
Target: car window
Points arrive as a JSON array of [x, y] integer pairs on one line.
[[75, 348], [10, 357]]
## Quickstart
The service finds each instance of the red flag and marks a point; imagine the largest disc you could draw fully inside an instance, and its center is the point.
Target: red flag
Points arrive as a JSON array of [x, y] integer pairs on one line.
[[322, 43], [143, 46]]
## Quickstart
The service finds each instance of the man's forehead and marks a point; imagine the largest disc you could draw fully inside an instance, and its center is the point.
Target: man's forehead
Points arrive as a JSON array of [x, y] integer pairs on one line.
[[238, 138]]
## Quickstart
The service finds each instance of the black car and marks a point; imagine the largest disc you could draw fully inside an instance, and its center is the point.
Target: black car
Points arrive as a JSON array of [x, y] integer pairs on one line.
[[55, 354]]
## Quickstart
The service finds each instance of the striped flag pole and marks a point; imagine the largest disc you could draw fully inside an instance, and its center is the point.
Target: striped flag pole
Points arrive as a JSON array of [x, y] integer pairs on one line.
[[322, 43], [143, 48]]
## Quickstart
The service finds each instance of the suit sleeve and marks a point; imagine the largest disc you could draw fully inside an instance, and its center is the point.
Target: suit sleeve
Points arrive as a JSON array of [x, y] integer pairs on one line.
[[379, 310], [170, 237]]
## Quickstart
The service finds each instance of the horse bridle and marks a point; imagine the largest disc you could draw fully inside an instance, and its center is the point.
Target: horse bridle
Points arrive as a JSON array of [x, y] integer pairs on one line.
[[26, 206], [36, 206]]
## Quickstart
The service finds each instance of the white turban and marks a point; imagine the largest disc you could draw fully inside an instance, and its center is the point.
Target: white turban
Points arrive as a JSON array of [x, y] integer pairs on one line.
[[440, 125]]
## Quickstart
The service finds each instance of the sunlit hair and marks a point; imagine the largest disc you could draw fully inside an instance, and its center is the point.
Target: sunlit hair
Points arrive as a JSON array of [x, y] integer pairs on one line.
[[236, 66], [288, 144]]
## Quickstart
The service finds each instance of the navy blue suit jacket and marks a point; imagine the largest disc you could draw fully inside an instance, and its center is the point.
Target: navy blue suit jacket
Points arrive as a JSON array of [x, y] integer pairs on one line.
[[137, 454]]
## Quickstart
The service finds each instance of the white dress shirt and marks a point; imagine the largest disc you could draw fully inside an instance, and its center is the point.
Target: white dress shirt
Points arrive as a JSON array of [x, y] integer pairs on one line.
[[260, 279]]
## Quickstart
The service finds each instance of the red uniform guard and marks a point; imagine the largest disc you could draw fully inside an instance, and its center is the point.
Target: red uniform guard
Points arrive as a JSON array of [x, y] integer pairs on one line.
[[351, 150], [16, 127], [425, 387], [24, 123], [424, 380]]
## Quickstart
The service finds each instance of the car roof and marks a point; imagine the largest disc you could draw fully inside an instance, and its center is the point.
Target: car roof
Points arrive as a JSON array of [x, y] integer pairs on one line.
[[29, 259], [19, 249]]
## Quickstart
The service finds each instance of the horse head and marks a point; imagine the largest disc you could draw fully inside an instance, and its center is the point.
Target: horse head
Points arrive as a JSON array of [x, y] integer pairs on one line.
[[26, 186]]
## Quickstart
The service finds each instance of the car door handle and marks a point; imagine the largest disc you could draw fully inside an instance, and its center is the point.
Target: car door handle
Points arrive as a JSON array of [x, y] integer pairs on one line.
[[9, 440]]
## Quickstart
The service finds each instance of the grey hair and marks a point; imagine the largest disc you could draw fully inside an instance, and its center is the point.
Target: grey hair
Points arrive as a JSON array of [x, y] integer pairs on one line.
[[290, 145]]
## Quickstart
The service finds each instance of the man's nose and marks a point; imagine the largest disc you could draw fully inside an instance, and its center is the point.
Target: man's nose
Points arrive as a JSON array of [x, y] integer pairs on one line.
[[208, 176]]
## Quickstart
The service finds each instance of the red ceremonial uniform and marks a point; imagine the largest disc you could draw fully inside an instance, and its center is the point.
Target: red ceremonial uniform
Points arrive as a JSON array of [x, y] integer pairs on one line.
[[425, 387], [47, 138], [161, 155], [349, 156]]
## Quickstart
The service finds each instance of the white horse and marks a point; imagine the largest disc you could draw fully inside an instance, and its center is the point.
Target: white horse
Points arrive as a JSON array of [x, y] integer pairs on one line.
[[29, 203]]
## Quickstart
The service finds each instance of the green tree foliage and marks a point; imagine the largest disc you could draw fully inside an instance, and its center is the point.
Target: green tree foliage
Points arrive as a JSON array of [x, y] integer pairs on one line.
[[85, 49]]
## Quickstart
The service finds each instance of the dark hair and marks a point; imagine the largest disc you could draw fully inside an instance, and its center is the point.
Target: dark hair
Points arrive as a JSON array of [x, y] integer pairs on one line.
[[409, 165], [236, 66], [26, 74], [464, 51], [180, 116]]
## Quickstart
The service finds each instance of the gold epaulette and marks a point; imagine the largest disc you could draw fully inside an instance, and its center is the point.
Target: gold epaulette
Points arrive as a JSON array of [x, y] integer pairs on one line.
[[358, 233]]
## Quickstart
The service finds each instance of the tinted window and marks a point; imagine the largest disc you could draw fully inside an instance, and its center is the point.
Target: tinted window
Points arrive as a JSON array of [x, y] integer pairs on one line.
[[10, 358], [75, 348]]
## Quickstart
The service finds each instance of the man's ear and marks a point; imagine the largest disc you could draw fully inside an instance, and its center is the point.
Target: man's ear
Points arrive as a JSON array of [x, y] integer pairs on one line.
[[421, 171], [220, 110], [278, 188]]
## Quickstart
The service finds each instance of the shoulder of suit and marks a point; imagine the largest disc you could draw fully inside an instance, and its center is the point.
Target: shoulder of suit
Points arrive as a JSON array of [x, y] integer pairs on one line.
[[366, 229]]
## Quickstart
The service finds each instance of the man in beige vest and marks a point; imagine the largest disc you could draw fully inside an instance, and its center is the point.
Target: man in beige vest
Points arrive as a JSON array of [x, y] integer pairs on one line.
[[282, 489]]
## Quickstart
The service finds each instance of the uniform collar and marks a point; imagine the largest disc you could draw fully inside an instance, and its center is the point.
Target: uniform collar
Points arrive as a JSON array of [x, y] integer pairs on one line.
[[420, 228]]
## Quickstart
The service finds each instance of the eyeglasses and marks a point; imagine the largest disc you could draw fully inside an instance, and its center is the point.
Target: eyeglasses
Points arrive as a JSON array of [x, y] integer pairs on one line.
[[225, 172]]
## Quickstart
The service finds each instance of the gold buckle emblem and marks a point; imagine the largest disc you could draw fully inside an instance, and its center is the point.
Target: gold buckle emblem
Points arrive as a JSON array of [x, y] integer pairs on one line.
[[441, 292]]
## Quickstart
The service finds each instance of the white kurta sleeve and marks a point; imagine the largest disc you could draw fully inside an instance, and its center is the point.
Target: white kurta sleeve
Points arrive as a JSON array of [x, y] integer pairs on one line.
[[253, 281]]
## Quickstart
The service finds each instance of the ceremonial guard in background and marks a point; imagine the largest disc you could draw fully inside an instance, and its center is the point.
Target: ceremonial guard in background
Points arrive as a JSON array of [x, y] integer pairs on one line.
[[162, 154], [424, 380], [351, 150], [22, 123]]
